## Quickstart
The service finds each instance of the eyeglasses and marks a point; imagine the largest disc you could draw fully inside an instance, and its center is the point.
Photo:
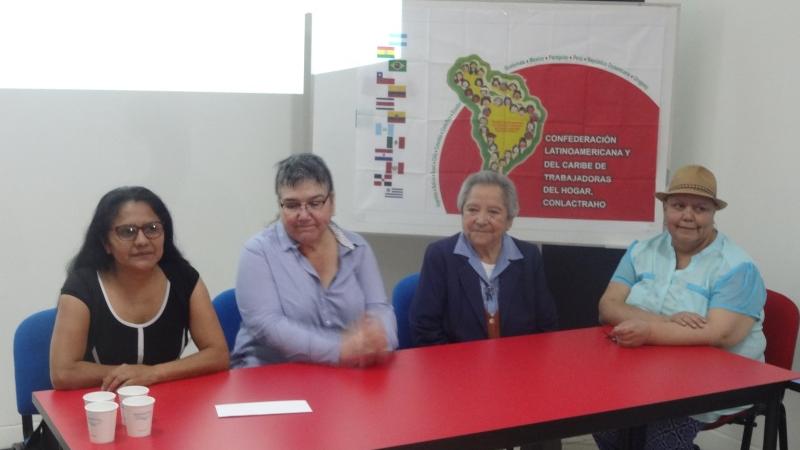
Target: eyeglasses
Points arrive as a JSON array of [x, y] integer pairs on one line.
[[151, 230], [313, 205]]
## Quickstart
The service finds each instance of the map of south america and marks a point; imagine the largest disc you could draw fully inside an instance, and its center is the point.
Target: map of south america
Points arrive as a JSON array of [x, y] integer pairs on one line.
[[506, 119]]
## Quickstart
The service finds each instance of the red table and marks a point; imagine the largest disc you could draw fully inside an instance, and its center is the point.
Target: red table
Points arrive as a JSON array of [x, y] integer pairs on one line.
[[484, 394]]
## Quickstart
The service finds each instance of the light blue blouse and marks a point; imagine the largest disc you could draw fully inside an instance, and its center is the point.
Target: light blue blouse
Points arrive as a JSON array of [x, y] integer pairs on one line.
[[721, 276], [287, 315]]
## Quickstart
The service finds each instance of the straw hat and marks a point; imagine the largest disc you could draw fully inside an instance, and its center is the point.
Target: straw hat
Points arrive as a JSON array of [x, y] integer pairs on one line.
[[693, 180]]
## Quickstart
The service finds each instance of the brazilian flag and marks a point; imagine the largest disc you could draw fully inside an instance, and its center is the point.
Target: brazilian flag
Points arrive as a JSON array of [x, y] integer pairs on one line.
[[397, 65]]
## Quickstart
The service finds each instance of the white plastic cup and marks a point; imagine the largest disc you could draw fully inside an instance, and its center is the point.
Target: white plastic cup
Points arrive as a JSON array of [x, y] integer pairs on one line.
[[99, 396], [102, 420], [130, 391], [139, 410]]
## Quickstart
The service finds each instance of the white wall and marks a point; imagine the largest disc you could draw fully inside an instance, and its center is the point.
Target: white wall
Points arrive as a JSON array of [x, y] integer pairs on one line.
[[211, 157]]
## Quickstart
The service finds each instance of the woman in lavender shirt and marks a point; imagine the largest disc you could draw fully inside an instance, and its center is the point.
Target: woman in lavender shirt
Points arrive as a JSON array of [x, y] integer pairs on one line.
[[308, 290]]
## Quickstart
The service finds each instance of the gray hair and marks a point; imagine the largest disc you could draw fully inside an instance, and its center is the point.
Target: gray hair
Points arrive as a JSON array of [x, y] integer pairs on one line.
[[302, 167], [491, 178]]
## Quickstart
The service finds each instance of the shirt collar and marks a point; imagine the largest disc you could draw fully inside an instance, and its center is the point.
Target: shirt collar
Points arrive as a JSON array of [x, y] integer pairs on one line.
[[287, 243], [508, 252], [341, 238], [714, 246]]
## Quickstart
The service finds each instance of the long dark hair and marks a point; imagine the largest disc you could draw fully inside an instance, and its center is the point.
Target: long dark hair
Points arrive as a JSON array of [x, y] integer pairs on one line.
[[93, 254]]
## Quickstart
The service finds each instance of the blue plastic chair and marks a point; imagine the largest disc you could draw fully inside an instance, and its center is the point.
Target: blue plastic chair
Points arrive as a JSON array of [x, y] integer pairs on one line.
[[32, 362], [228, 314], [402, 295]]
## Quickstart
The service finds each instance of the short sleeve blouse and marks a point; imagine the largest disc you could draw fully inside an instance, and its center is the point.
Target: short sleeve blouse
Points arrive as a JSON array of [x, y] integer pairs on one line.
[[114, 341], [722, 275]]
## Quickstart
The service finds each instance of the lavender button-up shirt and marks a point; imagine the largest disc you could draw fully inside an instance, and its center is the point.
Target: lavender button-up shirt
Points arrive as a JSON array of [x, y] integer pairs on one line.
[[287, 315]]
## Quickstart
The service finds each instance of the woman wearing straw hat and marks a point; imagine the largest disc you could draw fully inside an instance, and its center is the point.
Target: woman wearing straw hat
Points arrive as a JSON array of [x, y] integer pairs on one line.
[[690, 285]]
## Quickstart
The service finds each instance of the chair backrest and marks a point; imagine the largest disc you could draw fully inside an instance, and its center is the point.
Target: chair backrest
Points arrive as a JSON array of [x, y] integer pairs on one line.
[[401, 300], [781, 321], [576, 295], [32, 358], [228, 314]]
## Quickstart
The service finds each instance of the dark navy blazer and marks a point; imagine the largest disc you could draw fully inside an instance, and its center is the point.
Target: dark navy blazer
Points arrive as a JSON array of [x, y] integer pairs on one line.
[[448, 306]]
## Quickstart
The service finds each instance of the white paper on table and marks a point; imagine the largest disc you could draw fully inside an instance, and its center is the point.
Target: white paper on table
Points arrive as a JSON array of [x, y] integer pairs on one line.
[[262, 408]]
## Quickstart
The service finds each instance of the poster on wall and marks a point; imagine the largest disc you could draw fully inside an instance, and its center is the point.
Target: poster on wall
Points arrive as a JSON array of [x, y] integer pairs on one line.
[[571, 101]]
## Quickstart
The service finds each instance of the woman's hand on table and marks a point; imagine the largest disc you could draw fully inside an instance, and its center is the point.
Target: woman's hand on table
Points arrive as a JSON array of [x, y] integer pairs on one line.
[[631, 333], [130, 374], [364, 344], [688, 319]]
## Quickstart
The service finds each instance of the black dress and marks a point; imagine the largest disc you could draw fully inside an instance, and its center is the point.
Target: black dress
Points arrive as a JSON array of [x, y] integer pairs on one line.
[[113, 341]]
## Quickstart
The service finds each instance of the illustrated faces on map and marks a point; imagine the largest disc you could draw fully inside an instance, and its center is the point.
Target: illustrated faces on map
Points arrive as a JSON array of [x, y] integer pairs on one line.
[[690, 221], [484, 217]]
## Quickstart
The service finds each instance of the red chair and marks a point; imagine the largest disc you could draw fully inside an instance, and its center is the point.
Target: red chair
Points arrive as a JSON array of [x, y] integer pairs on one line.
[[781, 321]]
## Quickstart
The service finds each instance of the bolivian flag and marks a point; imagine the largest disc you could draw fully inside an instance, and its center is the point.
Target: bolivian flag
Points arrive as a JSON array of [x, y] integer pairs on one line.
[[386, 52]]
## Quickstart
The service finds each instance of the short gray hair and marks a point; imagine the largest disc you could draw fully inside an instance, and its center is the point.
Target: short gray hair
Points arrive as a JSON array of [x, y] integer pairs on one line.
[[302, 167], [491, 178]]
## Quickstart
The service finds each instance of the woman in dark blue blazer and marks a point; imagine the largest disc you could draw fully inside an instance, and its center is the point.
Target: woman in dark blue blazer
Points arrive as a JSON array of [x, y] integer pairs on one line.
[[482, 283]]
